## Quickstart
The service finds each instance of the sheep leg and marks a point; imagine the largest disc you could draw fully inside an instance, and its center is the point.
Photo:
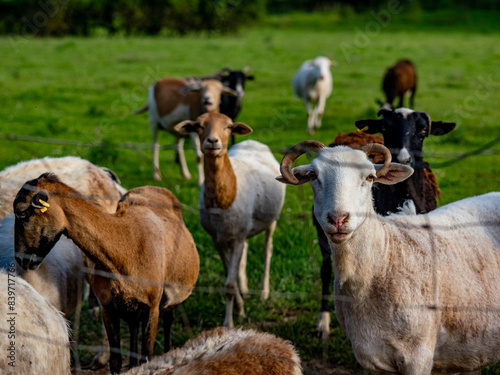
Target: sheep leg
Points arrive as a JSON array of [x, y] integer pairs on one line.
[[320, 109], [179, 146], [310, 117], [156, 155], [112, 323], [134, 332], [412, 98], [168, 320], [401, 100], [102, 358], [268, 253], [231, 285], [323, 325], [242, 273], [149, 334], [199, 157]]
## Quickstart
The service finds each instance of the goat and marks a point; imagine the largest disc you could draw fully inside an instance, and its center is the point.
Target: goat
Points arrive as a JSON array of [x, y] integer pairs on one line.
[[59, 279], [99, 184], [399, 79], [238, 200], [145, 248], [414, 293], [35, 334], [227, 351], [235, 80], [171, 100], [404, 132], [313, 84]]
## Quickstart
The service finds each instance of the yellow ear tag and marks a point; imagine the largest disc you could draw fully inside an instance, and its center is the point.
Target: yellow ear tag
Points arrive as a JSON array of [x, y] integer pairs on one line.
[[363, 130], [45, 206]]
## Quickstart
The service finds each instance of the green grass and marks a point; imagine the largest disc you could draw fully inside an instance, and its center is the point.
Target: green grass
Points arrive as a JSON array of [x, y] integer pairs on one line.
[[84, 90]]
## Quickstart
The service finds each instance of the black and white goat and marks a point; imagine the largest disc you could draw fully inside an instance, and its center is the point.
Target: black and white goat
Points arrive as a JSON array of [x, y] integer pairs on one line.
[[404, 132]]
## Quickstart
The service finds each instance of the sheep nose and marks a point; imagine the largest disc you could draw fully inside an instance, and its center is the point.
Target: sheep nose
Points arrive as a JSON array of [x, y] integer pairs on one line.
[[337, 221], [404, 156], [212, 140]]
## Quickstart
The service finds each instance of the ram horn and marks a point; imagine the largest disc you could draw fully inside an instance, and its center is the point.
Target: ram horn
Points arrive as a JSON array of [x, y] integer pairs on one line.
[[376, 148], [294, 153]]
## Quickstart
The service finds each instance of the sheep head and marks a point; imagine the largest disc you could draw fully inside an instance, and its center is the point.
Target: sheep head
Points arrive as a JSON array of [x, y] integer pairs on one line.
[[214, 130], [211, 91], [341, 179], [39, 222]]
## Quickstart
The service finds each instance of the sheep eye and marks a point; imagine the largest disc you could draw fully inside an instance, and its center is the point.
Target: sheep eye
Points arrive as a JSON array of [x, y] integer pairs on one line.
[[21, 215], [371, 177], [312, 175]]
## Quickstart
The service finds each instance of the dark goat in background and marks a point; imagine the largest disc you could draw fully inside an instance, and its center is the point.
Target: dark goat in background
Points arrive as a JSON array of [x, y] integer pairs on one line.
[[404, 131], [398, 80]]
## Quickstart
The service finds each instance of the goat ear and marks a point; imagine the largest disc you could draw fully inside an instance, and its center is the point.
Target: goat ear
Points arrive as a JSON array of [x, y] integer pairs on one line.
[[228, 91], [40, 199], [302, 172], [250, 78], [441, 128], [333, 63], [240, 128], [396, 173], [186, 127], [370, 126]]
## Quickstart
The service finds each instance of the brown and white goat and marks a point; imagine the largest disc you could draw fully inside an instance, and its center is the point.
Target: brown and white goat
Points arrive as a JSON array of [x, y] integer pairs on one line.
[[399, 79], [227, 351], [145, 248], [171, 100], [239, 199]]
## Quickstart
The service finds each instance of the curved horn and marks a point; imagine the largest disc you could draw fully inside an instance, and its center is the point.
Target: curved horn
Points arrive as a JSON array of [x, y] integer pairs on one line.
[[294, 153], [374, 148]]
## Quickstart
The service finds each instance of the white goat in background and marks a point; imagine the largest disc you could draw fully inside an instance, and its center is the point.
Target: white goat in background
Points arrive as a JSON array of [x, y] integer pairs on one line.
[[414, 293], [313, 84]]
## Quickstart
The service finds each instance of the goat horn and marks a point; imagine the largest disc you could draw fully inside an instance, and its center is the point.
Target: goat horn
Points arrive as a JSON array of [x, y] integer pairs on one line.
[[294, 153], [374, 148]]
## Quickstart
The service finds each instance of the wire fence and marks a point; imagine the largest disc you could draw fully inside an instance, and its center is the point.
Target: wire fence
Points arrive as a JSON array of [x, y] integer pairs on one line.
[[429, 227]]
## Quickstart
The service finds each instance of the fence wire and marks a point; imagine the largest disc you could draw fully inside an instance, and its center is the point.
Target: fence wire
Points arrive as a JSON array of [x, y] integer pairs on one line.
[[487, 149]]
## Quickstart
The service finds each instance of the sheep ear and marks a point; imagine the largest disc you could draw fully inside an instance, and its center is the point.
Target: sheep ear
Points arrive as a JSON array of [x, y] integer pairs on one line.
[[228, 91], [370, 126], [441, 128], [240, 128], [303, 174], [250, 78], [186, 127], [40, 200], [396, 173]]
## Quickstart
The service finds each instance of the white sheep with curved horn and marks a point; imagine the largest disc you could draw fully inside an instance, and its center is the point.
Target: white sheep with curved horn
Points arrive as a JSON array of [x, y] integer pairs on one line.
[[414, 293]]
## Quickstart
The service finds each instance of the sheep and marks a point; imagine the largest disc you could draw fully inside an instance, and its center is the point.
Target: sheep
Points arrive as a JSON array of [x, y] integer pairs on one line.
[[414, 293], [399, 79], [145, 248], [171, 100], [404, 132], [238, 200], [313, 84], [355, 140], [35, 335], [59, 279], [99, 184], [227, 351]]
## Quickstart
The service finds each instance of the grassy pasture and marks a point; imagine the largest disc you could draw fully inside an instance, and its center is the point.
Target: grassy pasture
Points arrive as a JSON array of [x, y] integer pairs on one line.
[[84, 90]]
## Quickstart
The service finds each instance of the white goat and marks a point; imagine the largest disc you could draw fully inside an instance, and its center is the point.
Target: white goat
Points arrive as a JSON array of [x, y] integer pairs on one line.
[[238, 200], [35, 337], [416, 293], [59, 279], [313, 84], [227, 351], [171, 100]]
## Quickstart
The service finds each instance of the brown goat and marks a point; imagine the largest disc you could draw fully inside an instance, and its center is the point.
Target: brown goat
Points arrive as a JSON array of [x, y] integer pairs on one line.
[[171, 100], [398, 80], [228, 352], [145, 246]]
